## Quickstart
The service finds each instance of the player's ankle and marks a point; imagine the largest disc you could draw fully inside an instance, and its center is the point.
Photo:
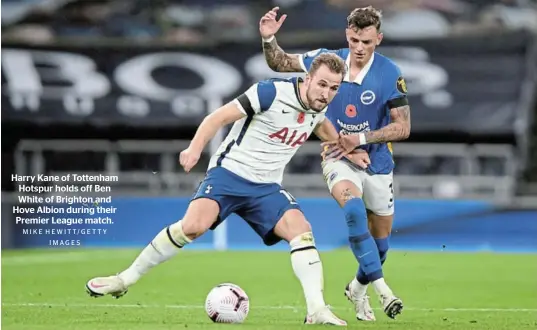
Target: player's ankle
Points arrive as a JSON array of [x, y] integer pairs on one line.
[[381, 288], [358, 289], [129, 276]]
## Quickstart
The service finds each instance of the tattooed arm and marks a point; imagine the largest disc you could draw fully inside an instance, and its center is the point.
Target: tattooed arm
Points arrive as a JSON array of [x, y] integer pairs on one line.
[[278, 60], [397, 130]]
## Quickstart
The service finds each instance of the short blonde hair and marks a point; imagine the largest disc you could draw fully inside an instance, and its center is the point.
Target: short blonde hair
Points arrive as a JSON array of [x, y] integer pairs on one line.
[[332, 61]]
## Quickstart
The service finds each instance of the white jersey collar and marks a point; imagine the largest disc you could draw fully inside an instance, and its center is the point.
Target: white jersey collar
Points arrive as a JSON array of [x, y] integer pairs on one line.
[[360, 77]]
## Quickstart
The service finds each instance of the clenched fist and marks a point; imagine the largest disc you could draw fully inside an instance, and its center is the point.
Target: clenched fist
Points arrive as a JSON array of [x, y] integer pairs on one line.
[[268, 25], [189, 158]]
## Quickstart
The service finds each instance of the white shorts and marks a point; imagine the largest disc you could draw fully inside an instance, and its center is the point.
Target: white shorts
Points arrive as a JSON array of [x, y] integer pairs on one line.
[[377, 189]]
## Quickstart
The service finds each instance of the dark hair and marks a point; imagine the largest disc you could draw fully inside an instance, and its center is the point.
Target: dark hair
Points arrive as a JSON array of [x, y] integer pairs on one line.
[[360, 18], [332, 61]]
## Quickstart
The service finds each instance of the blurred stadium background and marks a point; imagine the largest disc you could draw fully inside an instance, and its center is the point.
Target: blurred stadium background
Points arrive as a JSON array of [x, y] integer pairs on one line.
[[113, 86], [119, 87]]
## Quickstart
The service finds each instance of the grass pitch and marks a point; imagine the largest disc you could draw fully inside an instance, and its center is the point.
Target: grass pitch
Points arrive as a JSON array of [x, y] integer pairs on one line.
[[44, 289]]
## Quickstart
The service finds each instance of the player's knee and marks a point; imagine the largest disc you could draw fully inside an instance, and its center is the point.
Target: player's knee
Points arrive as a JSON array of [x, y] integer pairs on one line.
[[194, 227], [200, 216], [292, 224], [302, 227], [355, 212], [302, 242], [345, 191]]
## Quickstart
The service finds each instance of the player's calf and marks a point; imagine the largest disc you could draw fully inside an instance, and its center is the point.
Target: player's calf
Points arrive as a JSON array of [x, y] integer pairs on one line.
[[383, 245], [380, 227], [362, 243], [307, 266]]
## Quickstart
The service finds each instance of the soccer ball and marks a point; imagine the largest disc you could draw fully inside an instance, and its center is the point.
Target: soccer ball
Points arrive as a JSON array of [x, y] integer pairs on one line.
[[227, 303]]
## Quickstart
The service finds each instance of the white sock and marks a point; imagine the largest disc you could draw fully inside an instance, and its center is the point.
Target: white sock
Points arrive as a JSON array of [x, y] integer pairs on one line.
[[308, 269], [165, 245], [381, 288], [358, 288]]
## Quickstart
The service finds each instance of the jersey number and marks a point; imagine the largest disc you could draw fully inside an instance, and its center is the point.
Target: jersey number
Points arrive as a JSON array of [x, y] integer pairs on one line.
[[390, 204], [293, 141], [290, 197]]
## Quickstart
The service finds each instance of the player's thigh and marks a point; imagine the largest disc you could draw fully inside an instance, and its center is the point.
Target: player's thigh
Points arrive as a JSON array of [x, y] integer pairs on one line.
[[344, 182], [264, 212], [379, 202], [212, 203]]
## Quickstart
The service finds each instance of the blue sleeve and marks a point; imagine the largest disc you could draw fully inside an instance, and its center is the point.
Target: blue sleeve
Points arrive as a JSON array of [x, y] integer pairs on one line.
[[395, 87], [307, 58], [266, 92]]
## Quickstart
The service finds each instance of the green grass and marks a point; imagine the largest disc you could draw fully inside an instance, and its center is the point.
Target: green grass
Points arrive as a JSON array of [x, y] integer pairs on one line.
[[44, 290]]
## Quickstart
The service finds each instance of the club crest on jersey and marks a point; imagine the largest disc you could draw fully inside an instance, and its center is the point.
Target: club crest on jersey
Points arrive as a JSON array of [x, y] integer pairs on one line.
[[368, 97], [351, 111], [401, 85]]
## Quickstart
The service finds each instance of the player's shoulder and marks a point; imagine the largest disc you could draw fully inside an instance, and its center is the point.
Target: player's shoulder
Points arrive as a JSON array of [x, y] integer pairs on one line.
[[342, 52], [386, 64], [280, 84], [266, 91], [274, 90], [274, 83], [266, 87]]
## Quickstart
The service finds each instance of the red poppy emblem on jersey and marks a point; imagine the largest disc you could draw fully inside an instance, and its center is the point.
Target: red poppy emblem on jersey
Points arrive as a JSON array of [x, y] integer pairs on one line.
[[301, 117], [350, 111]]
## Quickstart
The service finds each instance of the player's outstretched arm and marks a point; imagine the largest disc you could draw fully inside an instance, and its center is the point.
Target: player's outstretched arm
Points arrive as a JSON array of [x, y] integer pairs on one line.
[[225, 115], [276, 58], [399, 127], [397, 130], [326, 131]]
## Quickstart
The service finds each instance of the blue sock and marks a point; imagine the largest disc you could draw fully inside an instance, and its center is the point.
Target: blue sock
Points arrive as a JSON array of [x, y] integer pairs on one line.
[[362, 243], [383, 245]]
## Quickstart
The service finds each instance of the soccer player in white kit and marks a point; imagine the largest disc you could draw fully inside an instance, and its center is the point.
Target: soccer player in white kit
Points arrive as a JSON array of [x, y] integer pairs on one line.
[[272, 119]]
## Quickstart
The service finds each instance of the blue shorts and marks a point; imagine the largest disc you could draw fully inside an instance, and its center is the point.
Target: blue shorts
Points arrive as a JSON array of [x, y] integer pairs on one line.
[[261, 205]]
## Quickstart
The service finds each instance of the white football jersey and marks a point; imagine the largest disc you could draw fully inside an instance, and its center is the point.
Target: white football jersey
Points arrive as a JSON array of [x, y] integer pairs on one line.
[[260, 145]]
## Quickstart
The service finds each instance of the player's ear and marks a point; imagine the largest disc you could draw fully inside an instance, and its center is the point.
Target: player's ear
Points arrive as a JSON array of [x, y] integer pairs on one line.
[[348, 34], [380, 35]]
